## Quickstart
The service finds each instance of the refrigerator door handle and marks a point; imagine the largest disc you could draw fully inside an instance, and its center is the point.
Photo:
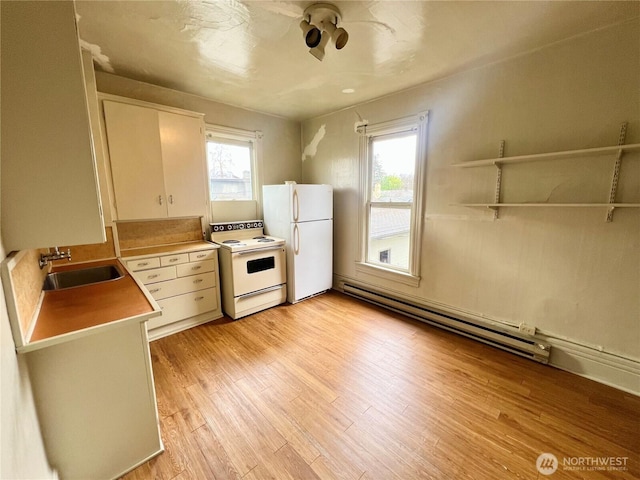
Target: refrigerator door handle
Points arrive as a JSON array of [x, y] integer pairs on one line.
[[296, 240], [296, 206]]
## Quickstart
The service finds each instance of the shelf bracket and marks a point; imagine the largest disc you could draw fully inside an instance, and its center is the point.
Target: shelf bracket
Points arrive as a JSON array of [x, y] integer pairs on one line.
[[498, 181], [616, 172]]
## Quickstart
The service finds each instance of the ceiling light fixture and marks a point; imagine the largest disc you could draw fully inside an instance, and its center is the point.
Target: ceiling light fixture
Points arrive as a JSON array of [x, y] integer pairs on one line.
[[319, 23]]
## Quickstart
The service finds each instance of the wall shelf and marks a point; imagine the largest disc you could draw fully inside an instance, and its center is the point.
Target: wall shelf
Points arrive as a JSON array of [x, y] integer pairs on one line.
[[553, 205], [617, 150], [587, 152]]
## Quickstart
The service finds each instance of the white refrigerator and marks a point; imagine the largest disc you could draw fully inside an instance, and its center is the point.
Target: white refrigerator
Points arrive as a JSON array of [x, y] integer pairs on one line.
[[303, 216]]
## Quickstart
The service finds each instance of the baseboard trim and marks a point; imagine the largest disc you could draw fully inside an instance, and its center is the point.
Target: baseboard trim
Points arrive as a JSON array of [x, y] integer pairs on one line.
[[618, 372], [615, 371], [171, 328]]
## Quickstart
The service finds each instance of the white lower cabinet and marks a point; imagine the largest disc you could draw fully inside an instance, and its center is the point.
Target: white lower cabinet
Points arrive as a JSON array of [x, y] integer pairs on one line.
[[96, 402], [185, 285]]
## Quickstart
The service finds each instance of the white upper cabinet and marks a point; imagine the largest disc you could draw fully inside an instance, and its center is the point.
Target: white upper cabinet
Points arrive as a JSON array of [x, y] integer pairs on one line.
[[183, 161], [136, 161], [49, 185], [157, 161]]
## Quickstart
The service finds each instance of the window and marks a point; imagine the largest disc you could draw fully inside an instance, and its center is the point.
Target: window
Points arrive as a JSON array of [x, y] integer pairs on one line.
[[233, 164], [229, 164], [392, 158]]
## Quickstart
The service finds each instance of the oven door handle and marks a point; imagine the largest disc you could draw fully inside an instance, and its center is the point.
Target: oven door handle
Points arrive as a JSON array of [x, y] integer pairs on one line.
[[259, 292], [259, 250]]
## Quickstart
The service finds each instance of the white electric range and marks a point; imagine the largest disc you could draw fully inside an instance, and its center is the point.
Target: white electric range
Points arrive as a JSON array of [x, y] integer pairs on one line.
[[252, 267]]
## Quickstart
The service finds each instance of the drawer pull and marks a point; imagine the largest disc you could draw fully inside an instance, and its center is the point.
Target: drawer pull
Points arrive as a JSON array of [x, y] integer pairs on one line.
[[197, 280], [153, 276], [197, 267], [202, 255], [197, 299], [173, 259], [143, 264], [155, 290]]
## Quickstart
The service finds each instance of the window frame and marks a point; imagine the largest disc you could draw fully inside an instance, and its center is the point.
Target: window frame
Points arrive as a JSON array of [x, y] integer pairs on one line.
[[219, 132], [418, 124]]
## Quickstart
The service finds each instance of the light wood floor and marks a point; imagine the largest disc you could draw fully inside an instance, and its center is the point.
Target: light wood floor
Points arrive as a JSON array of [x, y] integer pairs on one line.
[[336, 388]]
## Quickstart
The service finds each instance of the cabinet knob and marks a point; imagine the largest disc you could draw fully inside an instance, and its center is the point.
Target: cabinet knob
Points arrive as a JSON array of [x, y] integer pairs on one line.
[[160, 199], [171, 199]]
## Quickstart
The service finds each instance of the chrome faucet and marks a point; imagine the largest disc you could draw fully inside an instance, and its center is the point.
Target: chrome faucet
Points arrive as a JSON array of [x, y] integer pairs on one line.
[[45, 258]]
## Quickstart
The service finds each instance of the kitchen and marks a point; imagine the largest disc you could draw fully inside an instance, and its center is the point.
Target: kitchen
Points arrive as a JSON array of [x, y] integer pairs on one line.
[[454, 107]]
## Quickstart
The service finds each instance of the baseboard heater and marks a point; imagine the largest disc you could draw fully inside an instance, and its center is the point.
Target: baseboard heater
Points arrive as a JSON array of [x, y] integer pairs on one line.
[[503, 338]]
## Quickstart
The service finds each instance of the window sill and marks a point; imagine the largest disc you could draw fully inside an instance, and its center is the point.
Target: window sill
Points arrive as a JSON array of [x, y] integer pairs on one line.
[[388, 274]]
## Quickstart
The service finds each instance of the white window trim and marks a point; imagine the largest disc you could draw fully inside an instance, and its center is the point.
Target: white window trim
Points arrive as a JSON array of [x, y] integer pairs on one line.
[[418, 123], [255, 137]]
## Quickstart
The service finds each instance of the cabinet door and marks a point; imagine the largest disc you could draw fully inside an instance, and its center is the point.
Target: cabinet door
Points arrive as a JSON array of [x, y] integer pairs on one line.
[[136, 161], [49, 185], [183, 161]]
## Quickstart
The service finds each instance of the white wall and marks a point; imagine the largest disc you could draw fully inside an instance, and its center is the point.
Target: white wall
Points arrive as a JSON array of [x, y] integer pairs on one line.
[[565, 271]]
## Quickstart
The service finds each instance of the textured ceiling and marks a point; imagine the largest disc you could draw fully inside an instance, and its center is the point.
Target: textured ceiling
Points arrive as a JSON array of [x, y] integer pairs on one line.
[[251, 53]]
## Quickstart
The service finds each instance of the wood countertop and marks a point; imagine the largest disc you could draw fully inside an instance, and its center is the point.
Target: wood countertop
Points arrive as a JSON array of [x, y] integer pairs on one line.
[[185, 247], [64, 313]]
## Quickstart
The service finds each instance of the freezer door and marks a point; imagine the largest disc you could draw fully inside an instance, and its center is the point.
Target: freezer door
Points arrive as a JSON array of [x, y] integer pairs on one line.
[[311, 259], [311, 202]]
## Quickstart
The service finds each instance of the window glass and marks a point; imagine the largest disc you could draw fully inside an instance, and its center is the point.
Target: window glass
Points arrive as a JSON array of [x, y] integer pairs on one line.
[[393, 165], [389, 230], [393, 168], [230, 173]]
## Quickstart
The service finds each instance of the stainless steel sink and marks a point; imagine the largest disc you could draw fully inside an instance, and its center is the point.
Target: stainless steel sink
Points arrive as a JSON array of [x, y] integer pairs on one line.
[[81, 277]]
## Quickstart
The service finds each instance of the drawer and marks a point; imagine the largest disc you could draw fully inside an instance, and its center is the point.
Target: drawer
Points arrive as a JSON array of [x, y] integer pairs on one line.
[[204, 255], [184, 306], [156, 275], [182, 285], [194, 268], [143, 263], [176, 259]]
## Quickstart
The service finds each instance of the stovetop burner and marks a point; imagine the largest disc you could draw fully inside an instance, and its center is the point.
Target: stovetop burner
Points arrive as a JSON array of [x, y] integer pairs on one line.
[[242, 236]]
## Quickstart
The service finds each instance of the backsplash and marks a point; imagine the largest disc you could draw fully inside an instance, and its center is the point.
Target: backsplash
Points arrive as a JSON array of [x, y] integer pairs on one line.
[[26, 282], [87, 253], [158, 232]]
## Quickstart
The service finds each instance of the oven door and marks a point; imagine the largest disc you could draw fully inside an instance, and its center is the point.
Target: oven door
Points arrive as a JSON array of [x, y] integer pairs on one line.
[[257, 269]]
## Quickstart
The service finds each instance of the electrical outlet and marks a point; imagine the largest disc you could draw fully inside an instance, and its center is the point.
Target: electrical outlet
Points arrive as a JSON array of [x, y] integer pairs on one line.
[[527, 329]]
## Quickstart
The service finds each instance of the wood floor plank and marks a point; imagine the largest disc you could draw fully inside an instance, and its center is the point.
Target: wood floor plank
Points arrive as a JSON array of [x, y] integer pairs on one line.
[[333, 388], [228, 431], [268, 403], [217, 459]]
